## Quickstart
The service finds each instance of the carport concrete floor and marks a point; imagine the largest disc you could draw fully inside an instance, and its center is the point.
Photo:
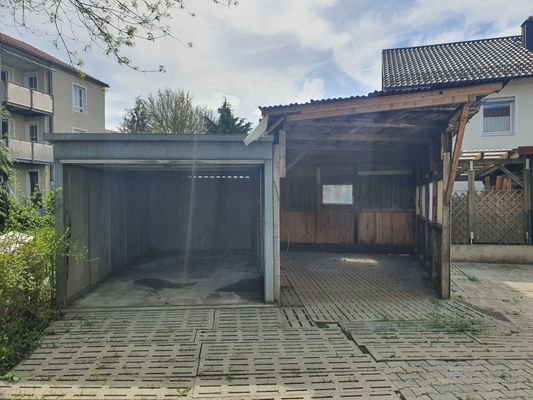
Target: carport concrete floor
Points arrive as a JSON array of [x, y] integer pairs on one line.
[[174, 279], [351, 327]]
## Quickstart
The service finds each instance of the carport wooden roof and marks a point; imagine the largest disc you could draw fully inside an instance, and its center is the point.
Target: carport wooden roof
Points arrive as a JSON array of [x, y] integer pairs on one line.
[[401, 117], [382, 122]]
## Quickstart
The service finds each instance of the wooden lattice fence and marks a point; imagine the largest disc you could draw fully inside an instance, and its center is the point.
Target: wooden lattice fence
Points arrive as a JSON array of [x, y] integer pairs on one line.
[[460, 233], [499, 217]]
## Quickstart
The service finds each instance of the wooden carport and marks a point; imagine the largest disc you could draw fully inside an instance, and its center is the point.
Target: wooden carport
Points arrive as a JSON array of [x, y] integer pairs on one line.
[[395, 152]]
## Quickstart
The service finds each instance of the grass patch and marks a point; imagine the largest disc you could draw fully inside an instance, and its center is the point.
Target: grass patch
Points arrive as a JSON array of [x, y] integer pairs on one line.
[[455, 324]]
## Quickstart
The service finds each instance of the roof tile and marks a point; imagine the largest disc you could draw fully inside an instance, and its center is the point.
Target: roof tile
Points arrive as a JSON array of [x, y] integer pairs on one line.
[[461, 62]]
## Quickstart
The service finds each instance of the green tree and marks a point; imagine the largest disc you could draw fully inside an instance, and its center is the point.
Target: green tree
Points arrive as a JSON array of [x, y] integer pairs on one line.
[[112, 25], [135, 119], [167, 111], [227, 123]]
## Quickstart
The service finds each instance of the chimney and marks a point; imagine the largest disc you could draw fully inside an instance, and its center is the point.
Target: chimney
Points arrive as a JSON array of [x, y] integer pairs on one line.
[[527, 33]]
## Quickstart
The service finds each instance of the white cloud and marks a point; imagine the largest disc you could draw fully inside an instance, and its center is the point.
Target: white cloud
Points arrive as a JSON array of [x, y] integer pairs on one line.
[[283, 51], [312, 89]]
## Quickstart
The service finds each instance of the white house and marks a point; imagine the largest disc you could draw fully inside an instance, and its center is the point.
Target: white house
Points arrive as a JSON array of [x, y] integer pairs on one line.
[[505, 120]]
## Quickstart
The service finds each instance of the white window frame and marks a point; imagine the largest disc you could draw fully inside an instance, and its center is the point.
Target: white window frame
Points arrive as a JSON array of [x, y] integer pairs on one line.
[[28, 125], [28, 180], [78, 130], [10, 73], [27, 77], [75, 108], [512, 104], [10, 127]]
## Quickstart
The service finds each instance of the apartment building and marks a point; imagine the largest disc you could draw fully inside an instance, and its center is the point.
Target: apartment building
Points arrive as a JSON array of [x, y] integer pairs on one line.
[[43, 94]]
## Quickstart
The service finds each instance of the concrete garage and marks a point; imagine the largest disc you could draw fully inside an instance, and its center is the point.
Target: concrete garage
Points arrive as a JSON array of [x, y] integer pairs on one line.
[[165, 219]]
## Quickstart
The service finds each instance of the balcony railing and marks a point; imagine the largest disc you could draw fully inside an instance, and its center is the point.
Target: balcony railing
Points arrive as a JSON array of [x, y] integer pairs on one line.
[[21, 97], [32, 152]]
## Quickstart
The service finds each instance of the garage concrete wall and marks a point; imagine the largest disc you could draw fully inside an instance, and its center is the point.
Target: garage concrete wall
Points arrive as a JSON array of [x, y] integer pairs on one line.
[[106, 214], [202, 214]]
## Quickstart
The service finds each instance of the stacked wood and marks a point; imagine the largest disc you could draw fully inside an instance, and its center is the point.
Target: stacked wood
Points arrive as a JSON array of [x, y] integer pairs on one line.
[[503, 183]]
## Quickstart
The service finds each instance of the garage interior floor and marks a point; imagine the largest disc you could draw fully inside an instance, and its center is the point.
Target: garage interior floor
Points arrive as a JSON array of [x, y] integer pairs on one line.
[[169, 280]]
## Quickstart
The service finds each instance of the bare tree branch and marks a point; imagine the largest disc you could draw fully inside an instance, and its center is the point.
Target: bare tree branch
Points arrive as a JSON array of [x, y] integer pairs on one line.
[[111, 25]]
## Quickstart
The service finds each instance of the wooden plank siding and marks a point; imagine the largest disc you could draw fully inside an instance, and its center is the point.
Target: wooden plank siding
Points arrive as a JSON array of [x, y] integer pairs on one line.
[[393, 228], [382, 214]]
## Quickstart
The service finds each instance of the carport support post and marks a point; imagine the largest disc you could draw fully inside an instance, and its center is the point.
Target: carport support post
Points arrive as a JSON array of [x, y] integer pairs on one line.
[[471, 202], [269, 232], [528, 198], [61, 266], [446, 234], [278, 171]]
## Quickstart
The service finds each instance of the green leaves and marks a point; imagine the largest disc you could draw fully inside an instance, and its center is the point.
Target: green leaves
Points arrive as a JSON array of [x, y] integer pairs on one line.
[[27, 275], [183, 391], [11, 376]]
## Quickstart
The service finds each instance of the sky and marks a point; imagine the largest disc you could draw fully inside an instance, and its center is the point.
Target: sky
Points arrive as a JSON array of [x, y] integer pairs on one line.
[[267, 52]]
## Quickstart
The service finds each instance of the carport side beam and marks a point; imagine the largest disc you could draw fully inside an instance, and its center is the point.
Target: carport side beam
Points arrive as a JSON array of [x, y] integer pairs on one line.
[[269, 233]]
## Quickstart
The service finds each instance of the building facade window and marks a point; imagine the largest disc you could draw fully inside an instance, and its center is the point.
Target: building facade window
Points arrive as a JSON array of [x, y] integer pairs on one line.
[[498, 117], [79, 99], [8, 128], [6, 74], [31, 80], [337, 194], [33, 182], [32, 132]]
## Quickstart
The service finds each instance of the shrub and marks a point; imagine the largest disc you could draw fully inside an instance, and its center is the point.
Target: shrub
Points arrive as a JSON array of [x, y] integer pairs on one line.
[[27, 276]]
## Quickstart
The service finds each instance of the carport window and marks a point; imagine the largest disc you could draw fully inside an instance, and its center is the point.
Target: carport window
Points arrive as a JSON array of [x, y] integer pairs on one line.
[[337, 194]]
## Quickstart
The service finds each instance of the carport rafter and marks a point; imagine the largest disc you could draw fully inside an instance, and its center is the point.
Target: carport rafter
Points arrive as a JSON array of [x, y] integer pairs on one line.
[[383, 103], [362, 137]]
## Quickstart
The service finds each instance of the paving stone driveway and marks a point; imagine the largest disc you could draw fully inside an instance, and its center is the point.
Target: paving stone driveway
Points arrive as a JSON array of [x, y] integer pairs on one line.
[[352, 327]]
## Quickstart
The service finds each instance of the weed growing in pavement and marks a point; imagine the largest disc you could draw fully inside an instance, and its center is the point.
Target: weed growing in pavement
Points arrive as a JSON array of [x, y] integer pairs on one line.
[[183, 391], [454, 324]]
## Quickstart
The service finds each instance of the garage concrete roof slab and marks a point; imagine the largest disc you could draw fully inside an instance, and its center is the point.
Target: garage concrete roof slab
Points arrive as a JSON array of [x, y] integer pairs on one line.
[[105, 147]]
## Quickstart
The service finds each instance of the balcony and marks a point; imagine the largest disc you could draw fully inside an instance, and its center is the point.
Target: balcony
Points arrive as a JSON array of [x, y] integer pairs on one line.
[[24, 100], [30, 152]]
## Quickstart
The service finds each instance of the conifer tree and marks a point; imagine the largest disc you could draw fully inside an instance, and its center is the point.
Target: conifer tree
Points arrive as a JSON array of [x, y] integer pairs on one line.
[[227, 123]]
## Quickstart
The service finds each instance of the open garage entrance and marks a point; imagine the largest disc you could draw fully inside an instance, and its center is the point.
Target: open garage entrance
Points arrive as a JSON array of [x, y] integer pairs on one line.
[[166, 231]]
